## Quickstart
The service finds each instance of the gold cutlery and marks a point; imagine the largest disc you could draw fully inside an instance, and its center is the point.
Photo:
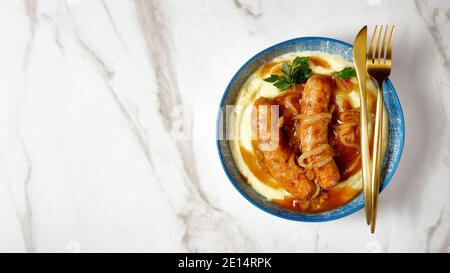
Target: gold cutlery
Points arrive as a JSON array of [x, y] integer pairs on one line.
[[359, 57], [379, 68]]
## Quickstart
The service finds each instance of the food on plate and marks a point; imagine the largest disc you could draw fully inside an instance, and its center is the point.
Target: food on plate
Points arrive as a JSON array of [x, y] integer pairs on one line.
[[274, 153], [315, 117], [296, 128]]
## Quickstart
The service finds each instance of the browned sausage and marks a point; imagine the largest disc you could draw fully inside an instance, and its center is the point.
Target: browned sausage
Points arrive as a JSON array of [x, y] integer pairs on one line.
[[314, 130], [275, 152]]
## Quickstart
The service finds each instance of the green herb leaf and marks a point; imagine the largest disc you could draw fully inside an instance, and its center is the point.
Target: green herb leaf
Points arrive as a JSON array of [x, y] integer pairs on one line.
[[300, 70], [286, 69], [300, 61], [279, 81], [283, 84], [293, 73], [346, 73], [273, 78]]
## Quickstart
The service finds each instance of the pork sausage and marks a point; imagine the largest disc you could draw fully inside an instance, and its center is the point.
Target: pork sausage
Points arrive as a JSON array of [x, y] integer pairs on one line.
[[275, 152], [314, 130]]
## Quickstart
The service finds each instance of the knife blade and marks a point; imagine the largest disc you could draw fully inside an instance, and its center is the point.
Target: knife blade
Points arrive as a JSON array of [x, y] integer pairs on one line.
[[359, 58]]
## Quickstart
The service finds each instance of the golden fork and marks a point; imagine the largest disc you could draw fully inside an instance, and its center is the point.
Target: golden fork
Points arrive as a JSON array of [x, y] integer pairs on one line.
[[379, 63]]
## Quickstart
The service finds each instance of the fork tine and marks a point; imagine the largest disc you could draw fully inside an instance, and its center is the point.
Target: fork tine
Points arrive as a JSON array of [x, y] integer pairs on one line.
[[372, 43], [389, 49], [383, 45], [377, 50]]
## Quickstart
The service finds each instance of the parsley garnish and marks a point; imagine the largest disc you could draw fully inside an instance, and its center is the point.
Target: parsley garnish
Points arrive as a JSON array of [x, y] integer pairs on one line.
[[346, 73], [293, 73]]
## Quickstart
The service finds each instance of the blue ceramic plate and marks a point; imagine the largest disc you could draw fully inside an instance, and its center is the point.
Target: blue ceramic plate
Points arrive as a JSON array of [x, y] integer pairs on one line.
[[396, 128]]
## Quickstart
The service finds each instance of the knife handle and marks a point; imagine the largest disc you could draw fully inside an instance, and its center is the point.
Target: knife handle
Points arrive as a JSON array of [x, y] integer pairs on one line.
[[365, 156]]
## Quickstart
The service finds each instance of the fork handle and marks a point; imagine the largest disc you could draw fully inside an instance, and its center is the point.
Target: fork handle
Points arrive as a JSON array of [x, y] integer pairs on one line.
[[376, 162]]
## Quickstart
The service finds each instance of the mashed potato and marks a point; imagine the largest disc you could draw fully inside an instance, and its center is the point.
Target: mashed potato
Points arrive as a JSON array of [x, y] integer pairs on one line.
[[255, 87]]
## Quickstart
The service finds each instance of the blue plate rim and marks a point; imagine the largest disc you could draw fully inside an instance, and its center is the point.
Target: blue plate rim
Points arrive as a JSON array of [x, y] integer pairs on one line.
[[387, 179]]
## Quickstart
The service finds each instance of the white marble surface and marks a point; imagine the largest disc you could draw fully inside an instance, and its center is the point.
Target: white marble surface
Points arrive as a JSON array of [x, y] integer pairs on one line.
[[90, 98]]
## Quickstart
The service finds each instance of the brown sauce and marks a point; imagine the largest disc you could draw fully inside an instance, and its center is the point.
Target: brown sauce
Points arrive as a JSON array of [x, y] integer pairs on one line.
[[347, 158], [252, 163], [269, 68], [316, 61], [336, 198]]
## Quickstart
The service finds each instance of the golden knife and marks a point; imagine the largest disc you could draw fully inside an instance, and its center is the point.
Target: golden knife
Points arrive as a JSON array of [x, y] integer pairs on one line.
[[359, 57]]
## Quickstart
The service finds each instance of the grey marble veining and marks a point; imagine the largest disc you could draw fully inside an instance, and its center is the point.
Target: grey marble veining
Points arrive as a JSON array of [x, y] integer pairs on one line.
[[95, 97]]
